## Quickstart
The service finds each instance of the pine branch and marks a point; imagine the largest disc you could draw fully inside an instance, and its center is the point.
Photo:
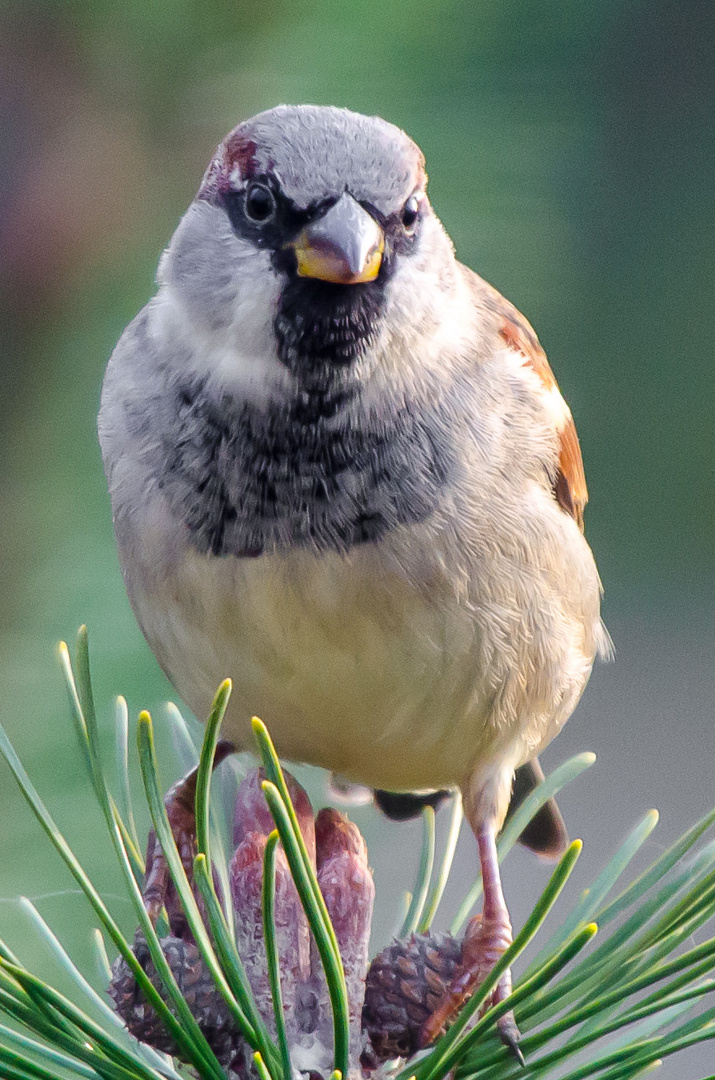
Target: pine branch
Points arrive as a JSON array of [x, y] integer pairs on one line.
[[257, 966]]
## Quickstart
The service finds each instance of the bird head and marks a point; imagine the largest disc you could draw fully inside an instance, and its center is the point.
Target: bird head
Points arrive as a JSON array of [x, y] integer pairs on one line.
[[310, 241]]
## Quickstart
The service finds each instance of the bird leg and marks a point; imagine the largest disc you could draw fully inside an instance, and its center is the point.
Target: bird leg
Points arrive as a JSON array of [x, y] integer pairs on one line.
[[487, 938]]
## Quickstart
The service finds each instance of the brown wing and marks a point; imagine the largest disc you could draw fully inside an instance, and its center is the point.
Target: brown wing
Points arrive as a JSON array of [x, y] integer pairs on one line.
[[570, 482]]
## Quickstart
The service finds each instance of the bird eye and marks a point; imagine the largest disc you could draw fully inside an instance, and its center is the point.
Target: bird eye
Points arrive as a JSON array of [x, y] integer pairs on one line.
[[260, 204], [410, 212]]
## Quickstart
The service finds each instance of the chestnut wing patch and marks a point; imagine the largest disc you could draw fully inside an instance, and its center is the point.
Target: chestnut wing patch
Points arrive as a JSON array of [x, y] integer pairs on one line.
[[570, 482]]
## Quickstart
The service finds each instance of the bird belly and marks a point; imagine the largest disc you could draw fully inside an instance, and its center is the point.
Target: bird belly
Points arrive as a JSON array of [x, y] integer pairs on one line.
[[351, 666]]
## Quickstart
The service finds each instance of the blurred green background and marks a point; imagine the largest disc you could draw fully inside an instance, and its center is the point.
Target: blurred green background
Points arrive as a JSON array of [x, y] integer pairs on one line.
[[571, 149]]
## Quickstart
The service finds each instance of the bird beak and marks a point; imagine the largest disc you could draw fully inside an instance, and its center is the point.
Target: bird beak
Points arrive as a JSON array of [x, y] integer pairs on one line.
[[344, 246]]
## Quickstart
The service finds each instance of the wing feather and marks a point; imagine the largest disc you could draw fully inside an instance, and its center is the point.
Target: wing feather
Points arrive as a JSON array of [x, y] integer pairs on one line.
[[570, 481]]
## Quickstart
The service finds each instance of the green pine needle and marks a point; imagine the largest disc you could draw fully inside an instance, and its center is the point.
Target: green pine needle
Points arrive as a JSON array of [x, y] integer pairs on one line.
[[424, 875], [206, 764], [435, 899], [272, 958]]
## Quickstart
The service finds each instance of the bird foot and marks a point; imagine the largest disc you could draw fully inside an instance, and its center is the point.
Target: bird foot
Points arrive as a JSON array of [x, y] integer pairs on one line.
[[485, 941]]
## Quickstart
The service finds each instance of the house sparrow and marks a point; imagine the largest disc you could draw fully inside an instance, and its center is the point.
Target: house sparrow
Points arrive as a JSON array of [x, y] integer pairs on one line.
[[342, 474]]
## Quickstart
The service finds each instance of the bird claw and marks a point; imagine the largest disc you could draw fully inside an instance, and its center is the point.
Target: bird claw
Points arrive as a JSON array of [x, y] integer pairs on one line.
[[485, 941], [511, 1036], [506, 1024]]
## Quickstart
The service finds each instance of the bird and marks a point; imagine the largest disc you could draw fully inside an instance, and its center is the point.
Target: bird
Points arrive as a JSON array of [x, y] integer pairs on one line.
[[342, 474]]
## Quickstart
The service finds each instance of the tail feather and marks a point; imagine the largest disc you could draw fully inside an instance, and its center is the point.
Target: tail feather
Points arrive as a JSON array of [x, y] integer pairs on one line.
[[403, 805], [545, 834]]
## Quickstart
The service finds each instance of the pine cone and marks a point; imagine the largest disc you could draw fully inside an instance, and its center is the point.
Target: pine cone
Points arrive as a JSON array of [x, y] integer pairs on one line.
[[196, 985], [404, 984]]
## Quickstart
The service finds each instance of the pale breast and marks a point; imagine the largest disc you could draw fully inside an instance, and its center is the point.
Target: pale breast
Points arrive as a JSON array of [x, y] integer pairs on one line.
[[350, 665]]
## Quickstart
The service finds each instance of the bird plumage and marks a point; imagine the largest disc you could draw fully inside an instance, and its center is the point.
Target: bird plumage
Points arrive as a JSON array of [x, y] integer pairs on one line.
[[354, 489]]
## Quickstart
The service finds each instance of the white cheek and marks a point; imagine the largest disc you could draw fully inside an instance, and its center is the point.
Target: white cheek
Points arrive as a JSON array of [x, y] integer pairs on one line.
[[247, 356], [239, 354]]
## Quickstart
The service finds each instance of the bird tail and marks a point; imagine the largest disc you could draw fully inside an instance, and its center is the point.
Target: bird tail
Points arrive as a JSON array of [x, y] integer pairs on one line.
[[545, 834]]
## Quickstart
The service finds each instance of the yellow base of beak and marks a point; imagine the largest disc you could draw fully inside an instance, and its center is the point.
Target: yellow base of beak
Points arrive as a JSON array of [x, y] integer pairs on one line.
[[345, 245], [313, 262]]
